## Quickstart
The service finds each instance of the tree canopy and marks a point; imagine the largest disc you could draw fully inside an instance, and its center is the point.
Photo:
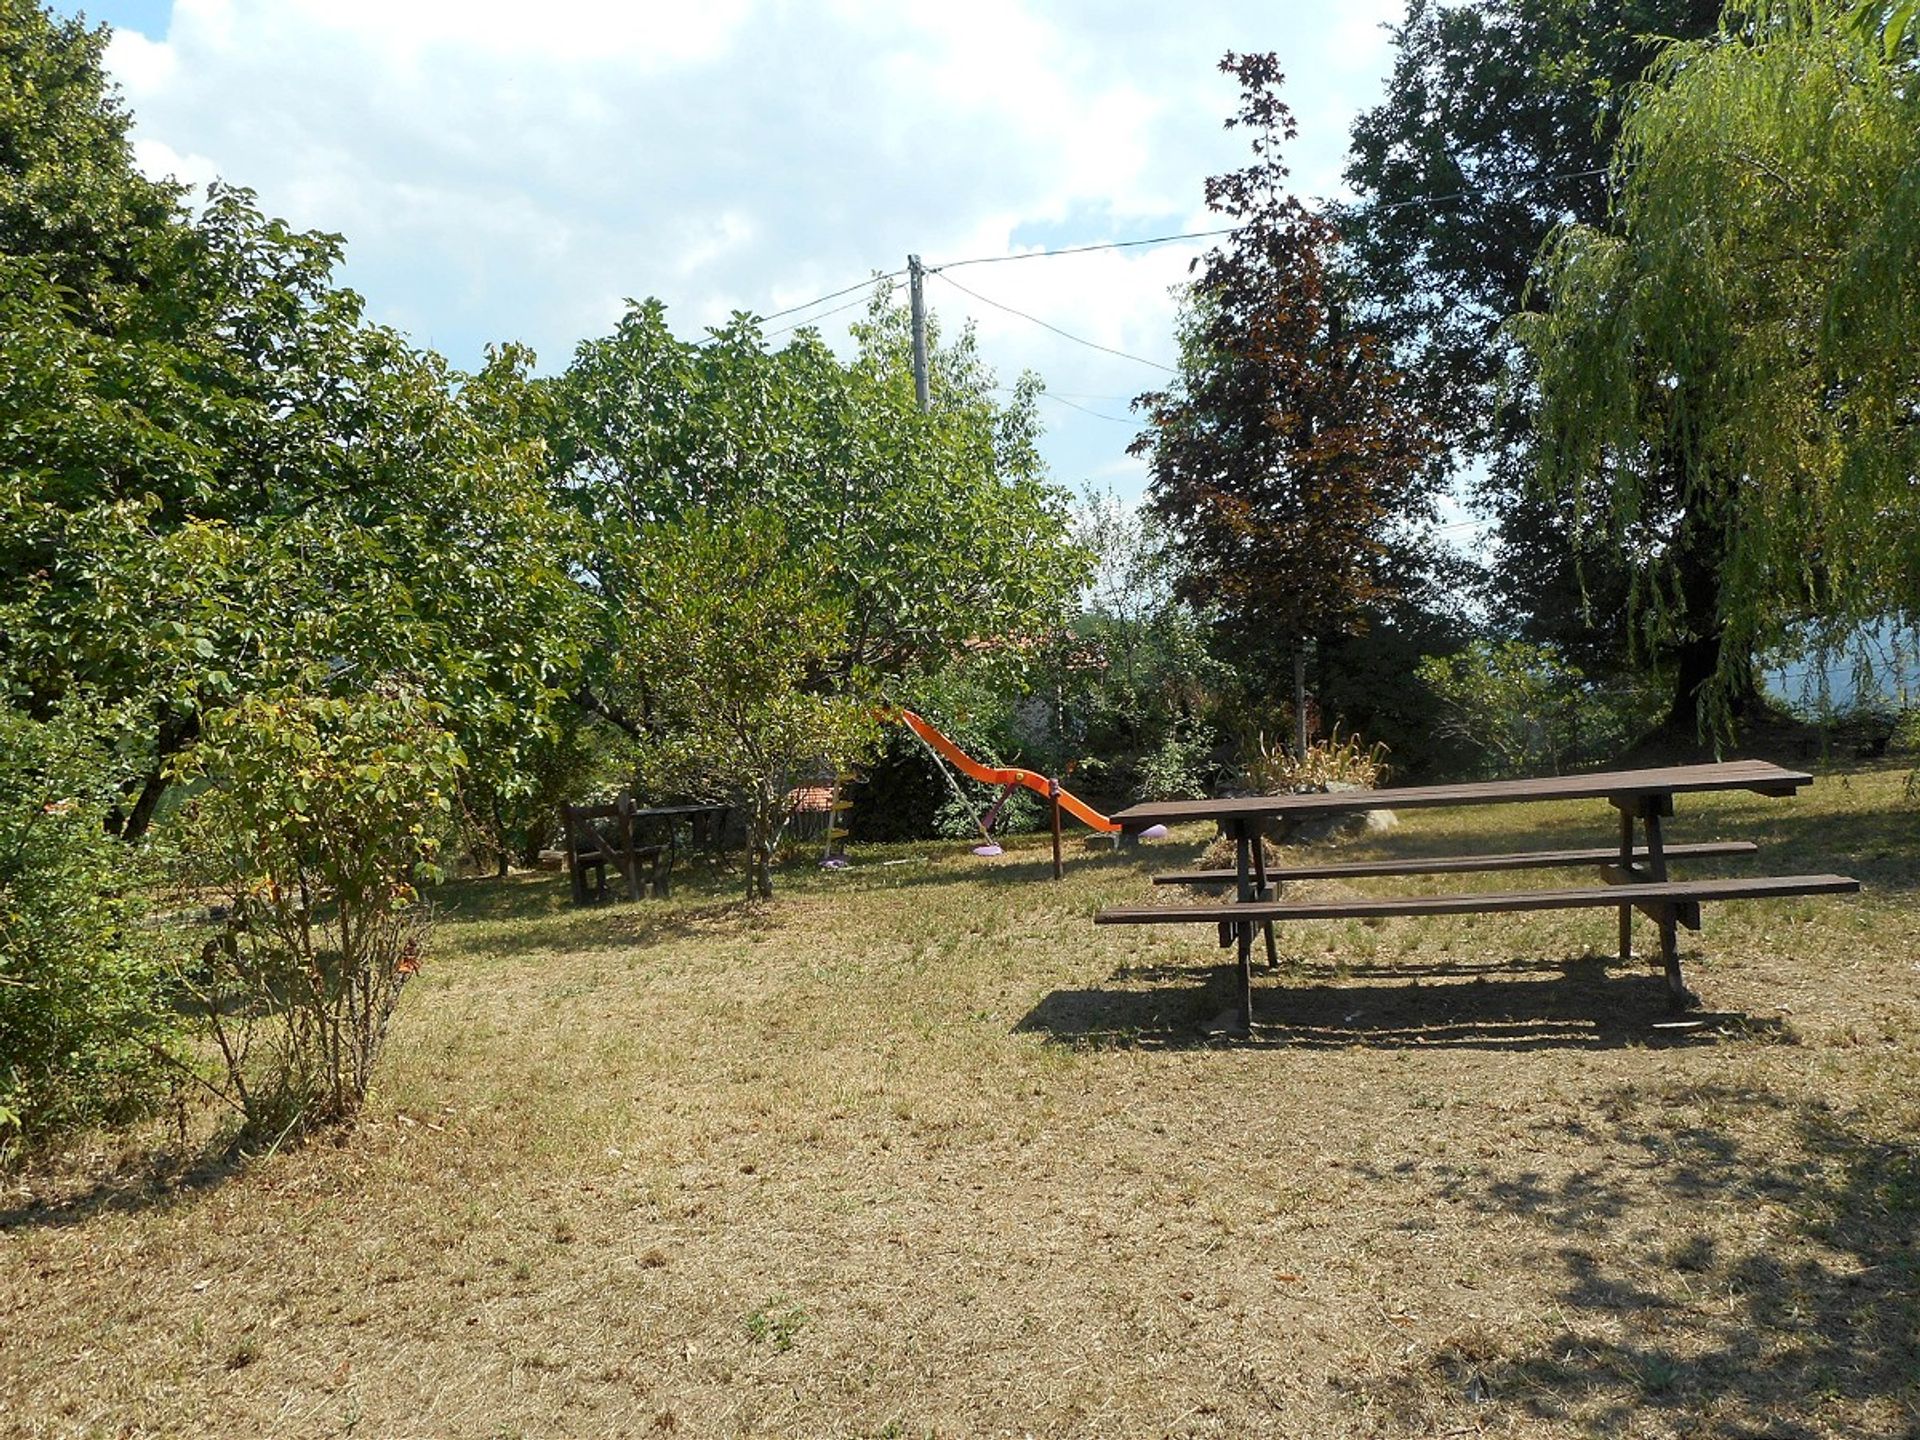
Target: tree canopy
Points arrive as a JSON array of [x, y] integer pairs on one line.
[[932, 527], [1740, 346], [217, 477], [1498, 123]]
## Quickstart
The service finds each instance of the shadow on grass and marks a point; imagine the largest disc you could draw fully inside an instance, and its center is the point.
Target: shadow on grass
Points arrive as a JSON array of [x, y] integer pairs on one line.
[[632, 925], [1799, 1318], [162, 1182], [1034, 867], [1585, 1006], [1879, 848]]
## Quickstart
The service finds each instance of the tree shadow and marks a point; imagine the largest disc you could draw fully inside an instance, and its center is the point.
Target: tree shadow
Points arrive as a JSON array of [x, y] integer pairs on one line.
[[1587, 1003], [1879, 848], [633, 925], [1779, 1300], [1030, 869], [161, 1181]]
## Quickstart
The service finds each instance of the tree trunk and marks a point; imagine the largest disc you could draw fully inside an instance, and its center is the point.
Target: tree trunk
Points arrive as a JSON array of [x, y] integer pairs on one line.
[[1300, 697], [1700, 654], [176, 733], [763, 836]]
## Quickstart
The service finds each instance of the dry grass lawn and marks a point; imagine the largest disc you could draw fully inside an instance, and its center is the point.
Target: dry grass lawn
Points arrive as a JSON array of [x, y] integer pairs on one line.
[[918, 1151]]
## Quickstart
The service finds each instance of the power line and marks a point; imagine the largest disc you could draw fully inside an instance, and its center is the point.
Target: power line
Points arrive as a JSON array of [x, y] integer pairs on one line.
[[1091, 247], [1062, 400], [1083, 249], [824, 314], [1470, 194], [1073, 394], [866, 284], [1063, 334], [1408, 203]]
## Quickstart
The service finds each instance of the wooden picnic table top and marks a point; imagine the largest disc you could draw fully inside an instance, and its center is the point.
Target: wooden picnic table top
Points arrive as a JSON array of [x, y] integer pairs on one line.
[[1761, 776], [666, 812]]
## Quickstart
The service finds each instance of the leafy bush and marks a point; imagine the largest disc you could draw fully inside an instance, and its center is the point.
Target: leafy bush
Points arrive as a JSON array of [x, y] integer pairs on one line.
[[1525, 709], [511, 818], [87, 1033], [1276, 770], [1177, 769], [731, 636], [907, 793], [1024, 811], [314, 820]]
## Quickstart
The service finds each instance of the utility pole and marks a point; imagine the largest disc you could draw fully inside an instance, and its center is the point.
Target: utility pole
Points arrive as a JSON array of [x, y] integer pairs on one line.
[[916, 276]]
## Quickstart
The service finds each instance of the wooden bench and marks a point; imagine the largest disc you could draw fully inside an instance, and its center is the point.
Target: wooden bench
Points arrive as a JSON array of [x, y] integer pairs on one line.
[[592, 849], [1634, 871], [1462, 864], [1667, 903]]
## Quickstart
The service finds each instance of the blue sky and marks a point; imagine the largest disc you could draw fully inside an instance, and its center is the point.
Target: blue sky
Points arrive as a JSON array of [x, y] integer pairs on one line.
[[149, 17], [503, 170]]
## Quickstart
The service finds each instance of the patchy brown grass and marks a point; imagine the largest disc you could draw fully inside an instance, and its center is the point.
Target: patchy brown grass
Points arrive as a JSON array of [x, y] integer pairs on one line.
[[917, 1151]]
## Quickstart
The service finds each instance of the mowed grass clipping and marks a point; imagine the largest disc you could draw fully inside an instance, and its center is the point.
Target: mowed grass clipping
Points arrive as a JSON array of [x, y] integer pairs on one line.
[[918, 1151]]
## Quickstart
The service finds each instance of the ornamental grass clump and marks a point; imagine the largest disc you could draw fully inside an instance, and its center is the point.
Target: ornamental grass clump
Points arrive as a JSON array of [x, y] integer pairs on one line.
[[1276, 770], [313, 822]]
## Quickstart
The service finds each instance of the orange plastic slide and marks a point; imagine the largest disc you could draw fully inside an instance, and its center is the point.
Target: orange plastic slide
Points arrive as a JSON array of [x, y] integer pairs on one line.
[[996, 775]]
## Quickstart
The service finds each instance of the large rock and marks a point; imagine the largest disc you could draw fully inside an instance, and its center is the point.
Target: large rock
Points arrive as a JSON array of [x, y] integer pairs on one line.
[[1317, 830]]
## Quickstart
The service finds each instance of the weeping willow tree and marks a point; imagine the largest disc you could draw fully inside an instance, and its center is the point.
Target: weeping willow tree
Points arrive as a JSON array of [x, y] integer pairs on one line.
[[1729, 383]]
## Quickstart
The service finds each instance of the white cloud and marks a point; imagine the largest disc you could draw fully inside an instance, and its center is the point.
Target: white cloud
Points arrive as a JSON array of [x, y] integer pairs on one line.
[[506, 170]]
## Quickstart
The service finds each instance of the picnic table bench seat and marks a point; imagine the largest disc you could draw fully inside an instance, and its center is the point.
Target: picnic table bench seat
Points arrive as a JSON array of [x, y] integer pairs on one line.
[[1667, 902], [1647, 894], [1461, 864]]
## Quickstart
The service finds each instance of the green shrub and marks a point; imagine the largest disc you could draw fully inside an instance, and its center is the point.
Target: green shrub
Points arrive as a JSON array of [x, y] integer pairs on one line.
[[510, 817], [1525, 709], [960, 820], [87, 1033], [1177, 768], [313, 821]]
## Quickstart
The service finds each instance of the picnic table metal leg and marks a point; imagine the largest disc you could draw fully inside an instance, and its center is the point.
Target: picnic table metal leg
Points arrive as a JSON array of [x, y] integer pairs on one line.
[[1264, 890], [1246, 841], [1626, 866]]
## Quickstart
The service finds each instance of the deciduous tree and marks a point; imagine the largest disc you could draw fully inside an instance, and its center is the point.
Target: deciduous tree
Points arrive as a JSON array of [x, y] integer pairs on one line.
[[1498, 123], [1733, 365], [1287, 451]]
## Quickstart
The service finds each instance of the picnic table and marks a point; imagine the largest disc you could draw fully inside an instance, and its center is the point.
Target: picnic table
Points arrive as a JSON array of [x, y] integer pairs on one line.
[[1634, 870], [599, 837]]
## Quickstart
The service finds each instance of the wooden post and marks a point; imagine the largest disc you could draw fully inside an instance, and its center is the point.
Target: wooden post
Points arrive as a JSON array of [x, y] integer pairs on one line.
[[916, 292], [628, 861], [1243, 930], [1677, 991], [1678, 995], [575, 871], [1263, 890], [1626, 868], [1053, 800]]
